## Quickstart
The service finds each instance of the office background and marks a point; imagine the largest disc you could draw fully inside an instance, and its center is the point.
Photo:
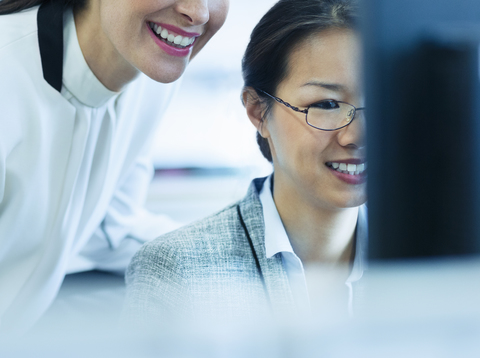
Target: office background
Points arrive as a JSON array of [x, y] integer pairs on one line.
[[205, 161]]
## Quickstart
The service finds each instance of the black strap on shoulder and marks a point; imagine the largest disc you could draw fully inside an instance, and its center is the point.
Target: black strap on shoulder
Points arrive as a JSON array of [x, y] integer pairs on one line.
[[50, 41], [257, 262]]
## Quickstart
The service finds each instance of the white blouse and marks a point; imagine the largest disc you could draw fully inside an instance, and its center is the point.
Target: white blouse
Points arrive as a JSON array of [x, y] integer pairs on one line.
[[277, 241], [74, 170]]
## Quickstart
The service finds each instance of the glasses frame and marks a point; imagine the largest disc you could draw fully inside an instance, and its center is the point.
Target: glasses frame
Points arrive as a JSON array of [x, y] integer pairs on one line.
[[305, 111]]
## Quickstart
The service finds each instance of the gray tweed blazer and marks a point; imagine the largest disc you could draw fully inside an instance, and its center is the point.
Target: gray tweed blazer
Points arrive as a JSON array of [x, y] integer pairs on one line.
[[216, 267]]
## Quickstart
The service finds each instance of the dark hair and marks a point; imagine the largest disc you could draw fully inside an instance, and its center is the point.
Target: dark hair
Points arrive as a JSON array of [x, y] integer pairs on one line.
[[286, 24], [12, 6]]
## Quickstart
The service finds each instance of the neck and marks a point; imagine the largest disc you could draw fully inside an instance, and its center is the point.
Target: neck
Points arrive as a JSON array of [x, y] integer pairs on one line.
[[317, 234], [111, 69]]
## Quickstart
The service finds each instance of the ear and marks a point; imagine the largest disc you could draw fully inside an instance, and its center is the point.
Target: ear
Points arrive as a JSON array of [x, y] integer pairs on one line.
[[255, 110]]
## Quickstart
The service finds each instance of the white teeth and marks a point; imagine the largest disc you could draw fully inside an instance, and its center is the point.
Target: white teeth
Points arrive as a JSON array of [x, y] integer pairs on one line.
[[177, 40], [352, 169]]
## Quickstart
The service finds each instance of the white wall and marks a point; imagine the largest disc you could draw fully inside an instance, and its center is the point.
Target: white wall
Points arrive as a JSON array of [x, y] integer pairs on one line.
[[206, 125]]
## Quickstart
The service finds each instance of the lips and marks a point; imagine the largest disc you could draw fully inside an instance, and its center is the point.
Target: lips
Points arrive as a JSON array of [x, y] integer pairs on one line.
[[348, 168], [170, 37], [353, 171]]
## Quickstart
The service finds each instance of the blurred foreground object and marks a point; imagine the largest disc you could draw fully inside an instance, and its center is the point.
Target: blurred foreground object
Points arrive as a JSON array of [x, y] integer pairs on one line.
[[425, 309], [423, 93]]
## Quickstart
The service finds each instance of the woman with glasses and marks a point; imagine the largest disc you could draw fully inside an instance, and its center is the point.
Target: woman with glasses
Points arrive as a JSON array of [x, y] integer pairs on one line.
[[303, 94]]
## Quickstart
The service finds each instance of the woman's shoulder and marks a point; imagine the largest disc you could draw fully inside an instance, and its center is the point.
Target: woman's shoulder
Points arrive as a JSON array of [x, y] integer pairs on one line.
[[207, 264], [216, 239], [18, 26], [213, 234], [199, 252]]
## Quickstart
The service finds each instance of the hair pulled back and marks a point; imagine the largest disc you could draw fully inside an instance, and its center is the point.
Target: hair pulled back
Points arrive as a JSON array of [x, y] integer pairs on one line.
[[13, 6], [286, 24]]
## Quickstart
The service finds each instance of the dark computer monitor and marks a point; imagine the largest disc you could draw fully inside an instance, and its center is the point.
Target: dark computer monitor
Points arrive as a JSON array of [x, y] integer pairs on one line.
[[423, 127]]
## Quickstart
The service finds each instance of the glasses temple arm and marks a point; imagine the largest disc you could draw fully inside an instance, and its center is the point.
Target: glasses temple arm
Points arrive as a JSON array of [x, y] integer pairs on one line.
[[285, 103]]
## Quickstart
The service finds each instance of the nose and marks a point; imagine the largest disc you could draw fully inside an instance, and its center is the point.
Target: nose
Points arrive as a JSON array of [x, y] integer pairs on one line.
[[354, 134], [196, 12]]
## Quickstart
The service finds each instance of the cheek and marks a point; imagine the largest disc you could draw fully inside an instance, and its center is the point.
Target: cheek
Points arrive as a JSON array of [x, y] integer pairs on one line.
[[294, 143], [288, 143], [305, 151], [218, 10], [123, 17], [218, 13], [114, 22]]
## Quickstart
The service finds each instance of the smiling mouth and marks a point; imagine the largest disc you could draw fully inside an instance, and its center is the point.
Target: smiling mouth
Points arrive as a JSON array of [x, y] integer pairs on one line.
[[171, 38], [352, 169]]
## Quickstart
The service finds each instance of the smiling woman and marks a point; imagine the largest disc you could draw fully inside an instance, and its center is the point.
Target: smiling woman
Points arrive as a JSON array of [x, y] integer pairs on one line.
[[302, 93], [84, 85], [326, 71], [118, 39]]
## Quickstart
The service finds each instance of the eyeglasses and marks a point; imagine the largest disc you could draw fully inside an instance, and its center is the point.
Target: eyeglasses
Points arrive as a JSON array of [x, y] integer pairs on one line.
[[326, 115]]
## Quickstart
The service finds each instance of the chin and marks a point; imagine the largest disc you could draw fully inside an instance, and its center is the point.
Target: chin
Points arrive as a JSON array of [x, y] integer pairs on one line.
[[166, 74], [354, 202], [165, 79], [348, 200]]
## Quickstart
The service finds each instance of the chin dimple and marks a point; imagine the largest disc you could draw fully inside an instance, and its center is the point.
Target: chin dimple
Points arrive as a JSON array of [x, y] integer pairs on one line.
[[171, 38], [352, 169]]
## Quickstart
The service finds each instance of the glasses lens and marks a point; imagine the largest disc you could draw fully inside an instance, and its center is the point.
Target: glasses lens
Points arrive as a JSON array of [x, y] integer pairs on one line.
[[330, 114]]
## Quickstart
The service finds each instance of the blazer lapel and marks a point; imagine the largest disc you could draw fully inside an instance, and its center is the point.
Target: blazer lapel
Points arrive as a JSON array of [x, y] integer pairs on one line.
[[274, 276]]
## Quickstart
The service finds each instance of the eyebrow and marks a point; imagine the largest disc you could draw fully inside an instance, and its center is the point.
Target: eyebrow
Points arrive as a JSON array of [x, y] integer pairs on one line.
[[330, 86]]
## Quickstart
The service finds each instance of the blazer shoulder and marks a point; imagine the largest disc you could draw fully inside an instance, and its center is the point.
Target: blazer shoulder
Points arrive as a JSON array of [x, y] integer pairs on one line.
[[222, 233], [164, 269], [212, 234], [212, 241]]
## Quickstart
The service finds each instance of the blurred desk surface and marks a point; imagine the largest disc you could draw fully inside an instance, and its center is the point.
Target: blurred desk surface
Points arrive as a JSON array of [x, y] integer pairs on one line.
[[411, 309], [407, 309]]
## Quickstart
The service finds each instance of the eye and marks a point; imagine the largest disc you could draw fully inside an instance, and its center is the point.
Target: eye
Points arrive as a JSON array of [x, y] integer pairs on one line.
[[326, 104]]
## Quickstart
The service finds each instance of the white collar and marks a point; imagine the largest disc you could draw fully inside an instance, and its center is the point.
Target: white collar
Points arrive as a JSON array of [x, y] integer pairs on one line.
[[78, 78], [276, 238], [361, 233]]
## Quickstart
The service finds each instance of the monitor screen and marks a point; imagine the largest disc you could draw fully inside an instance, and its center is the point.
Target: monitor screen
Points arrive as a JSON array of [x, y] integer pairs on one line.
[[423, 117]]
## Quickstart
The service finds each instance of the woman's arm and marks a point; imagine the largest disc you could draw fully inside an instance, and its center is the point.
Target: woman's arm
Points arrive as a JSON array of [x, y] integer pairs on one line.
[[126, 224]]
